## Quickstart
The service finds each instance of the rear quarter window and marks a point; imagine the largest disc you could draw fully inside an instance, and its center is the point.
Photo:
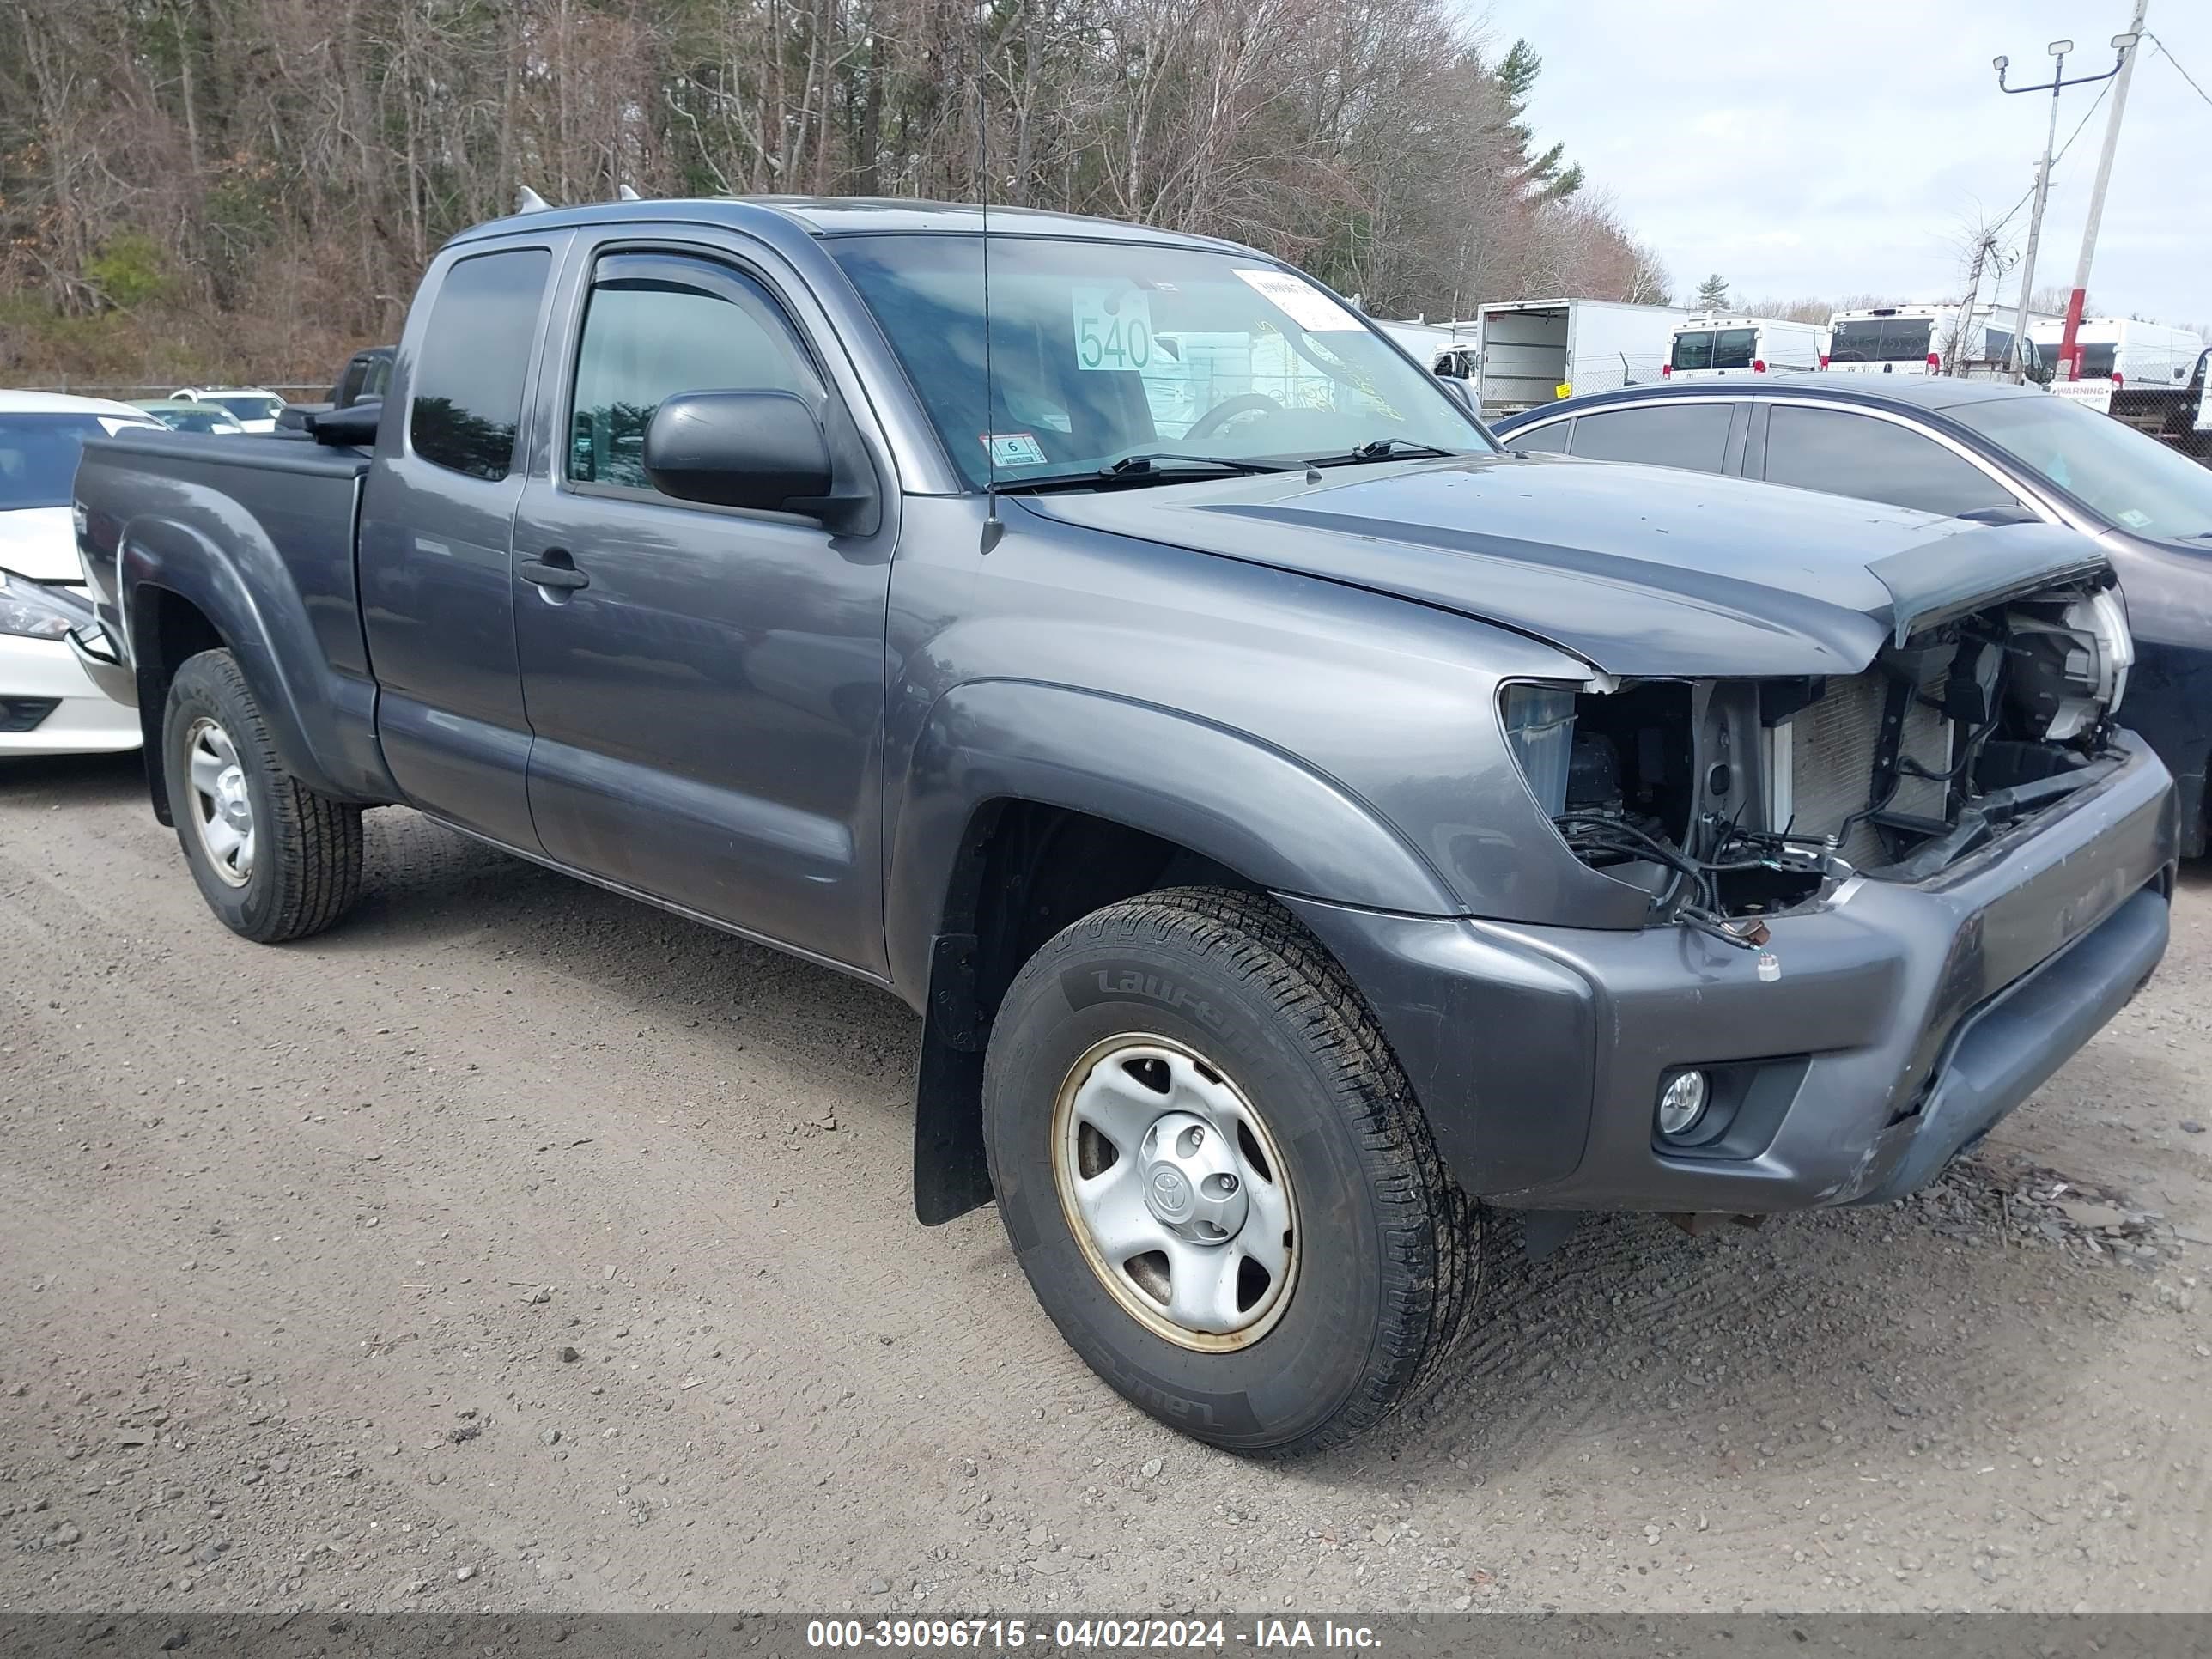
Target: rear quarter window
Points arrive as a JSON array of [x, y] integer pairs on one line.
[[1551, 438], [474, 355]]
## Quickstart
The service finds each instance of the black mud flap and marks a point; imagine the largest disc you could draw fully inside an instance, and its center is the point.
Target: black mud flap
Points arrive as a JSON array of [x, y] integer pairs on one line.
[[952, 1172]]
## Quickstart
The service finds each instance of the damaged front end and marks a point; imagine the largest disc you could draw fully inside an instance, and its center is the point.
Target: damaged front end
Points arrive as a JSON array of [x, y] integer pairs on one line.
[[1731, 801]]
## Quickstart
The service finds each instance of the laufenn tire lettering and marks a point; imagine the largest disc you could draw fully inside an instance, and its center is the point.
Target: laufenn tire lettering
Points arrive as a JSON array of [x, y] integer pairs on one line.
[[1086, 985]]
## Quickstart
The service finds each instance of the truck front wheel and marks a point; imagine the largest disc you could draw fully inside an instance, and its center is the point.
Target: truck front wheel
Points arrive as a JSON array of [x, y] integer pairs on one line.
[[273, 858], [1215, 1177]]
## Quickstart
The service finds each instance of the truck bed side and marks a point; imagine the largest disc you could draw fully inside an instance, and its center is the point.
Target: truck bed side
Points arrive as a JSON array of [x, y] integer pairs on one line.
[[191, 541]]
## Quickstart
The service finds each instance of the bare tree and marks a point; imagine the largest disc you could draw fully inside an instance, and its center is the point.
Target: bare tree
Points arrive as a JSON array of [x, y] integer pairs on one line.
[[250, 187]]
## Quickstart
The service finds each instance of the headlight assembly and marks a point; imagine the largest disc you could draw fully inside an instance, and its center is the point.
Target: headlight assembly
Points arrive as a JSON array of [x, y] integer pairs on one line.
[[33, 612]]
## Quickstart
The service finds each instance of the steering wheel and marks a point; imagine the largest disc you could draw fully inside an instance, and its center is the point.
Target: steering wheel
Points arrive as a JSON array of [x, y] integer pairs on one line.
[[1245, 402]]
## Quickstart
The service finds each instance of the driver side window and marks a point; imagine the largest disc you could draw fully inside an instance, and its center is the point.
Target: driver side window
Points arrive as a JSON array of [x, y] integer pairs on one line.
[[657, 324]]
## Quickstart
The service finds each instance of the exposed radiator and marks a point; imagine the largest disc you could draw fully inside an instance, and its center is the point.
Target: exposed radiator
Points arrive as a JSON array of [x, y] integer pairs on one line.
[[1826, 753]]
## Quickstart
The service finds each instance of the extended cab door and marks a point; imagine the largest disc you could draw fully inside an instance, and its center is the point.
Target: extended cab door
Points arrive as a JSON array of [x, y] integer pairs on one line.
[[706, 683], [437, 601]]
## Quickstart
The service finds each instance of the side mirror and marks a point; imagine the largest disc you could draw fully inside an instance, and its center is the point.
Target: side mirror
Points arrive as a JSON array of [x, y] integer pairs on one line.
[[356, 424], [762, 450], [1461, 391]]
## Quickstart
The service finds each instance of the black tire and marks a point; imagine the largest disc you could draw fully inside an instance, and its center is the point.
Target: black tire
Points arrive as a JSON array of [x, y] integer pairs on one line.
[[1388, 1254], [306, 870]]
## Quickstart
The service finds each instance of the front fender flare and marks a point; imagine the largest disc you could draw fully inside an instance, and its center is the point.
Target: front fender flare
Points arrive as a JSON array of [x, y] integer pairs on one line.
[[1224, 795]]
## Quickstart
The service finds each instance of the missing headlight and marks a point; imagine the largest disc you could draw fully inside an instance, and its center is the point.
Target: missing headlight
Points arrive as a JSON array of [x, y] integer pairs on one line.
[[2070, 663]]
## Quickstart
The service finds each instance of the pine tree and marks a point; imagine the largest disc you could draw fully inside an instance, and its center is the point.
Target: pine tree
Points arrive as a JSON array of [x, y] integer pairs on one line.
[[1540, 177], [1712, 293]]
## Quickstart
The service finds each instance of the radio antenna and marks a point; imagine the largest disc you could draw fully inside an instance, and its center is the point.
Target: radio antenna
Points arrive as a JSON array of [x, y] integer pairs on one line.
[[993, 526]]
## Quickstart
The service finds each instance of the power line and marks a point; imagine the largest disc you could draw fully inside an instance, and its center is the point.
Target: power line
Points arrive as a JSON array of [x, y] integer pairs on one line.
[[2178, 70]]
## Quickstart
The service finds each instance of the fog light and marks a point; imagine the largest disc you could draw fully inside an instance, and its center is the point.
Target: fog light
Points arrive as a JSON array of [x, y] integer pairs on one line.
[[1681, 1103]]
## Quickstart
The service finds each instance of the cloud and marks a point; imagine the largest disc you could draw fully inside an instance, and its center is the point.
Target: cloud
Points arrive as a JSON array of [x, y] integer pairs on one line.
[[1817, 150]]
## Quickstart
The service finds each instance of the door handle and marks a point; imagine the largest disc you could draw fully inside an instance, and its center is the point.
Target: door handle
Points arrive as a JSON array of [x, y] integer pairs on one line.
[[553, 571]]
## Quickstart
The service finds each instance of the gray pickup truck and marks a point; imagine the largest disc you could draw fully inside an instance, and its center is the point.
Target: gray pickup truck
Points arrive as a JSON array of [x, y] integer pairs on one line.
[[1305, 830]]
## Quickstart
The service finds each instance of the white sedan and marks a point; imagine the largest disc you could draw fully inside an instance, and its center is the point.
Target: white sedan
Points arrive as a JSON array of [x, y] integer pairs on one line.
[[255, 408], [49, 705]]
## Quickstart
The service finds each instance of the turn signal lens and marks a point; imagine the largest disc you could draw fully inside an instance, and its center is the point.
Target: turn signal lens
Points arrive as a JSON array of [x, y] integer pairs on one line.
[[1540, 725]]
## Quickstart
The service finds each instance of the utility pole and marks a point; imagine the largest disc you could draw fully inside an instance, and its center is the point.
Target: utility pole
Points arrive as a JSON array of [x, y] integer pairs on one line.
[[2020, 346], [2069, 351], [2058, 82]]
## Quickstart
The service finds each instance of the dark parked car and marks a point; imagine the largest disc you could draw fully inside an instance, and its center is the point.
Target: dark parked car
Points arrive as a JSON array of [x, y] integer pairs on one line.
[[1971, 447], [1299, 826]]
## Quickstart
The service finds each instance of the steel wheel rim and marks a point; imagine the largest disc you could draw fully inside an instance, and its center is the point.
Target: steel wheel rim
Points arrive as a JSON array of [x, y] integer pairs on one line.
[[222, 805], [1146, 1218]]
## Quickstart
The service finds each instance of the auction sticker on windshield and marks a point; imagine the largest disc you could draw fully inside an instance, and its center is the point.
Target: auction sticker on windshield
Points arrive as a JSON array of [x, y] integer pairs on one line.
[[1113, 328], [1301, 301], [1012, 448]]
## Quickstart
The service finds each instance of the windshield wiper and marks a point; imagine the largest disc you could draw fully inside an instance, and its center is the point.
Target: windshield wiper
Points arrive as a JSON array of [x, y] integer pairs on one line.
[[1381, 449], [1152, 459], [1158, 467]]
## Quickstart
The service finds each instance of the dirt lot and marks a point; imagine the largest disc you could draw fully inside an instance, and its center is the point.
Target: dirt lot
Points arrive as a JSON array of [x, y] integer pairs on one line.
[[516, 1247]]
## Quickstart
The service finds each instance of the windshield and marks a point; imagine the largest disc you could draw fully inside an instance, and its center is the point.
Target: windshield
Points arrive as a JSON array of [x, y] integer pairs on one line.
[[1881, 340], [1102, 350], [248, 406], [39, 453], [2132, 481]]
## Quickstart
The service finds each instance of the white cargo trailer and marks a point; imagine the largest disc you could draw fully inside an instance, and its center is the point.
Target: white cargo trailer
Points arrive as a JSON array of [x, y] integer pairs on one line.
[[1536, 350]]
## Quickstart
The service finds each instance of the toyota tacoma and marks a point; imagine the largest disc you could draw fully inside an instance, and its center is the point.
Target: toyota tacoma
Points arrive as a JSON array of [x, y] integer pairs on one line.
[[1305, 830]]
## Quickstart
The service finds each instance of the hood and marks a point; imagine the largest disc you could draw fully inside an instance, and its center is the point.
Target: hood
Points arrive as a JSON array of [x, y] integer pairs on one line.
[[1638, 570], [40, 542]]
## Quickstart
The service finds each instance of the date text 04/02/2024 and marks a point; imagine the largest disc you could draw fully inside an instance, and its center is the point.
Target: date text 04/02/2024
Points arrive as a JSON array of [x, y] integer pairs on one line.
[[1084, 1635]]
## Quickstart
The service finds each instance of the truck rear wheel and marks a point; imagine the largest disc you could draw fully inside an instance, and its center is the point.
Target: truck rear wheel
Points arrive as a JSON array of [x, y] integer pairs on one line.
[[1216, 1178], [273, 858]]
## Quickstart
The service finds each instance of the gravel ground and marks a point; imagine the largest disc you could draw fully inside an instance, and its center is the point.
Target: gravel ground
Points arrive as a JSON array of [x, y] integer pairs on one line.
[[516, 1247]]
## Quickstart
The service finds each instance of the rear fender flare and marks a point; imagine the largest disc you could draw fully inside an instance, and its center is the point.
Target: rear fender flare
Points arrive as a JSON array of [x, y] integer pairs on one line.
[[321, 724]]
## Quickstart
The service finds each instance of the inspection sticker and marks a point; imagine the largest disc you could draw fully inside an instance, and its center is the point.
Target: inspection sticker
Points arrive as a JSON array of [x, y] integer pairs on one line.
[[1011, 448], [1299, 299]]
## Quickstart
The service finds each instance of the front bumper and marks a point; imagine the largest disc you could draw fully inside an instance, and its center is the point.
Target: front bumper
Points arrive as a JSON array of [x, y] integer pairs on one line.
[[82, 721], [1905, 1019]]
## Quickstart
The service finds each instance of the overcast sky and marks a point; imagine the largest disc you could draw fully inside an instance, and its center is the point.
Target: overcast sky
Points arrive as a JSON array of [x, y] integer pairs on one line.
[[1808, 149]]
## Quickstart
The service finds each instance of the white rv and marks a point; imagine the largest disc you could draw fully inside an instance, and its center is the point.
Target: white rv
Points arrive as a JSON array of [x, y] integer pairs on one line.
[[1711, 348], [1933, 339]]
